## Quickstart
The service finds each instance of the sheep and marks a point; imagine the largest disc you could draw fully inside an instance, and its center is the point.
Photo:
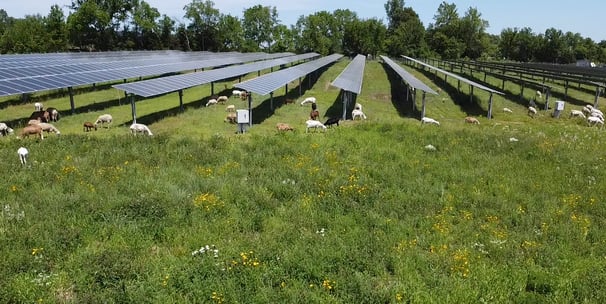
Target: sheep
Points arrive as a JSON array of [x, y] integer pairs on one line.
[[243, 95], [46, 127], [5, 129], [236, 93], [54, 114], [31, 130], [104, 119], [222, 99], [332, 121], [593, 120], [427, 120], [284, 127], [587, 109], [231, 118], [89, 126], [539, 95], [211, 102], [23, 153], [230, 108], [38, 106], [314, 114], [42, 116], [532, 111], [289, 101], [307, 100], [140, 128], [577, 113], [358, 106], [314, 124], [472, 120], [357, 113], [507, 110]]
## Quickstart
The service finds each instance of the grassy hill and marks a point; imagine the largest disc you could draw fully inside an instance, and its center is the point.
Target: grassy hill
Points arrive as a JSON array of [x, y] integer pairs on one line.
[[362, 213]]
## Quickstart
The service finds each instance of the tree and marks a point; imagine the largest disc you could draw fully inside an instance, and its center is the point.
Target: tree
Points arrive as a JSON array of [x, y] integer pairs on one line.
[[444, 37], [167, 28], [27, 35], [405, 32], [365, 37], [88, 27], [56, 29], [284, 39], [204, 20], [230, 33], [472, 29], [259, 22], [146, 28], [5, 21]]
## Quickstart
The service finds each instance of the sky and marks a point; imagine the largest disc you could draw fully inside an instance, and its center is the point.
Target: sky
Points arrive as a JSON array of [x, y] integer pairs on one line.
[[581, 16]]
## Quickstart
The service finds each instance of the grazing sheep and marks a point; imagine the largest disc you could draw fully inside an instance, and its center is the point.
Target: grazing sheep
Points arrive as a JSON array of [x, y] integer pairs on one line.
[[31, 130], [54, 114], [593, 120], [307, 100], [284, 127], [230, 108], [314, 114], [5, 130], [357, 113], [332, 121], [231, 118], [211, 102], [472, 120], [236, 93], [243, 95], [358, 106], [23, 153], [427, 120], [222, 99], [539, 95], [140, 128], [314, 124], [89, 126], [38, 106], [46, 127], [42, 116], [104, 119], [532, 111], [577, 113], [507, 110], [430, 148], [289, 100]]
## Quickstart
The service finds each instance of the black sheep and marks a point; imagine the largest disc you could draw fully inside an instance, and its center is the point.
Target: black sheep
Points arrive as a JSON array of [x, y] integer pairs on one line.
[[332, 121]]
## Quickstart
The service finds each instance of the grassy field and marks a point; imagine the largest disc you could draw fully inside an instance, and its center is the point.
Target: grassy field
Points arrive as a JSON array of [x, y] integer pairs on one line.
[[361, 213]]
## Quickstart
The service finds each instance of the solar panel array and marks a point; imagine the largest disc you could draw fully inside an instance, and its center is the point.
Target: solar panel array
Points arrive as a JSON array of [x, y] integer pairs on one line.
[[407, 77], [88, 73], [351, 77], [169, 84], [268, 83], [470, 82]]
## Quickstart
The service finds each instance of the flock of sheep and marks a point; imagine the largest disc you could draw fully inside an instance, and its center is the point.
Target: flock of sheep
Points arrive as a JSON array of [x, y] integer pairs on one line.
[[314, 115]]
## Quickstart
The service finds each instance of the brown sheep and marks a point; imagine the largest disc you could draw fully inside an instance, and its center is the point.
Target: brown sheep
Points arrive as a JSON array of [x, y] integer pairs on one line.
[[31, 130], [231, 118], [284, 127], [472, 120], [88, 126]]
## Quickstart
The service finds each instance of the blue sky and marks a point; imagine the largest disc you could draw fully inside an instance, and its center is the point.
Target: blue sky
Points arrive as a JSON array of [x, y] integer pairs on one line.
[[582, 16]]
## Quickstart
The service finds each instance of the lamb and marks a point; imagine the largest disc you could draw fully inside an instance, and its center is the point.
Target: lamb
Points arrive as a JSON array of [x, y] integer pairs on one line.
[[427, 120], [211, 102], [357, 113], [593, 120], [358, 106], [222, 99], [104, 119], [577, 113], [284, 127], [140, 128], [307, 100], [314, 114], [38, 106], [54, 114], [5, 130], [31, 130], [230, 108], [507, 110], [23, 153], [231, 118], [314, 124], [46, 127], [332, 121], [532, 111], [89, 126], [472, 120]]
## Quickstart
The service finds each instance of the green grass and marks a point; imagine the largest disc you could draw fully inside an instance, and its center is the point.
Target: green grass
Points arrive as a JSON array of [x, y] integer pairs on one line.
[[359, 214]]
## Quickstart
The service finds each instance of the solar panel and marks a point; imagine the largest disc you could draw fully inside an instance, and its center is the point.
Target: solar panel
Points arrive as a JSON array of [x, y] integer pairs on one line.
[[472, 83], [407, 77], [268, 83], [169, 84], [351, 77]]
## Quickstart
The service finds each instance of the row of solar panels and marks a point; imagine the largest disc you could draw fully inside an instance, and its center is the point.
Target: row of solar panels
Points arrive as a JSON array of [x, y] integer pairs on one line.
[[41, 59], [169, 84], [351, 77], [57, 81]]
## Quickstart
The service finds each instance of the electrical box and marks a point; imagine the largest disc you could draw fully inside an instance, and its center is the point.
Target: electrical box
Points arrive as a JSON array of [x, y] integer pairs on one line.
[[559, 107], [242, 116]]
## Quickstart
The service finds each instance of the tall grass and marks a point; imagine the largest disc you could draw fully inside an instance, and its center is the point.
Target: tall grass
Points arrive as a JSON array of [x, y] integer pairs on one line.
[[359, 214]]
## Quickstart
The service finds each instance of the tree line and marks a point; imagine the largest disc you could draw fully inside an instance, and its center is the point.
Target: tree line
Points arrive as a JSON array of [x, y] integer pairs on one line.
[[107, 25]]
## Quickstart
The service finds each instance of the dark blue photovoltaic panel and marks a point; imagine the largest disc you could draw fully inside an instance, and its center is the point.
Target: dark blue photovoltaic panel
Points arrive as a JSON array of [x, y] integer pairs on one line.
[[407, 77], [351, 77]]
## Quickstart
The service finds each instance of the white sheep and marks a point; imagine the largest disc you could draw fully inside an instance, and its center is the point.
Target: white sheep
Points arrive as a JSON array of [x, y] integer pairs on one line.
[[104, 119], [211, 102], [308, 100], [539, 95], [230, 108], [222, 99], [532, 111], [593, 120], [49, 128], [357, 113], [507, 110], [427, 120], [577, 113], [358, 106], [314, 124], [140, 128], [236, 93], [5, 129], [38, 106], [23, 153]]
